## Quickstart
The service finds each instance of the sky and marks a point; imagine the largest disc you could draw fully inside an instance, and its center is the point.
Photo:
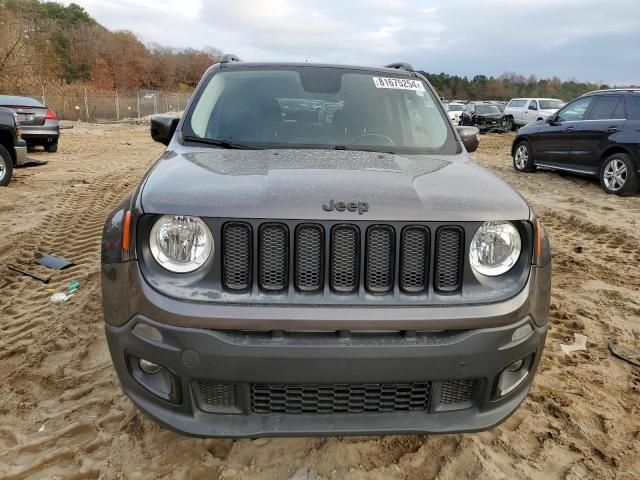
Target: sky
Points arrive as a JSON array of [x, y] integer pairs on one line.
[[587, 40]]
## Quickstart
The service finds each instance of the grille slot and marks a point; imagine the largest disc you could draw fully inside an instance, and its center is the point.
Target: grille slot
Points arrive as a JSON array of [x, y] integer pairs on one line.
[[309, 257], [449, 250], [380, 261], [457, 392], [274, 256], [345, 258], [414, 259], [340, 398], [236, 260]]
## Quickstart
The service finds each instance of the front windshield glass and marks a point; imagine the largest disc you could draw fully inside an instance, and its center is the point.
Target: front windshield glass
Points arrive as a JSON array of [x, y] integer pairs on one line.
[[316, 107], [551, 104], [487, 109]]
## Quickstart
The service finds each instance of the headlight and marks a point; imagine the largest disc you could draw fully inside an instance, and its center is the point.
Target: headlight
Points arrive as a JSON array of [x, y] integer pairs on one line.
[[495, 248], [180, 244]]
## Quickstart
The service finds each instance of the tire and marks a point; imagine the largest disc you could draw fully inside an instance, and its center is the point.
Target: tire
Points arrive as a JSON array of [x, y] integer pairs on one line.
[[523, 157], [51, 147], [618, 175], [6, 167], [509, 124]]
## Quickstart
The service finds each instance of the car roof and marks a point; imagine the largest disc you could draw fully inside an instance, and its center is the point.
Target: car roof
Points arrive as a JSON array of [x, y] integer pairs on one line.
[[272, 65], [22, 101], [536, 98]]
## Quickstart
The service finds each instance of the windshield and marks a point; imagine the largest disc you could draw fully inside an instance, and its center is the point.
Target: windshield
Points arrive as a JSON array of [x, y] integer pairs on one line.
[[551, 104], [316, 107], [487, 109], [456, 108]]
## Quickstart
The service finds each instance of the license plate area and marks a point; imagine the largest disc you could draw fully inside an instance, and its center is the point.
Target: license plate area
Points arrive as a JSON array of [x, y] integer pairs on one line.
[[26, 117]]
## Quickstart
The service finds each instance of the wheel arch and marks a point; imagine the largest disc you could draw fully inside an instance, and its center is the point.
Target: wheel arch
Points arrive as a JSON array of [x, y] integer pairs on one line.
[[6, 140], [518, 140], [613, 150]]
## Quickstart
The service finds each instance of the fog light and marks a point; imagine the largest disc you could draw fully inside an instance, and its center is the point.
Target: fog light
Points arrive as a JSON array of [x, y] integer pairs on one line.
[[515, 366], [147, 331], [521, 332], [512, 377], [149, 367]]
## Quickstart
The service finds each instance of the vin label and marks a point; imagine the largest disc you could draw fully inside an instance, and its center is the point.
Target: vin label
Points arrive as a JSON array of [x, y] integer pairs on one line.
[[398, 83]]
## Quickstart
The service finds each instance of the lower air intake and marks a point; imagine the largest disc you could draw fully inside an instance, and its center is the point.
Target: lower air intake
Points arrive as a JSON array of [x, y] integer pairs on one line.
[[340, 398]]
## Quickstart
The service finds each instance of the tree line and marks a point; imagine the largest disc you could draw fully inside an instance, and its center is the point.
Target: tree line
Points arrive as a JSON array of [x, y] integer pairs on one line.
[[46, 43], [507, 86]]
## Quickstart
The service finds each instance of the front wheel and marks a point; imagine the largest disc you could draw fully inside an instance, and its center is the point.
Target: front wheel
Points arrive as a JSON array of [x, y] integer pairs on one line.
[[523, 158], [509, 125], [6, 167], [618, 175]]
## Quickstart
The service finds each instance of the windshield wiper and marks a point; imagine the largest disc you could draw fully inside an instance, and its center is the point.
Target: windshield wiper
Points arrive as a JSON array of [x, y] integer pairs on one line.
[[219, 143], [362, 149]]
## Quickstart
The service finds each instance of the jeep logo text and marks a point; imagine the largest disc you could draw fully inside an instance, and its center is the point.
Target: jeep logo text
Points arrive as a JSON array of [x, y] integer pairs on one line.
[[360, 207]]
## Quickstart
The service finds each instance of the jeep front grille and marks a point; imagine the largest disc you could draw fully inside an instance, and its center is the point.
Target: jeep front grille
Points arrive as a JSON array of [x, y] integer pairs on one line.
[[341, 259]]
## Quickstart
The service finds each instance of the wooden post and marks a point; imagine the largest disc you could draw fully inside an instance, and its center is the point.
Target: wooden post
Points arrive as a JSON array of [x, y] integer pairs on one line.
[[86, 103], [117, 107], [138, 104]]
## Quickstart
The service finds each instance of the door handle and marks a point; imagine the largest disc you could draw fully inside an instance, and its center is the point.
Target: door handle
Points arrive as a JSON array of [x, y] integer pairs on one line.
[[568, 129], [611, 129]]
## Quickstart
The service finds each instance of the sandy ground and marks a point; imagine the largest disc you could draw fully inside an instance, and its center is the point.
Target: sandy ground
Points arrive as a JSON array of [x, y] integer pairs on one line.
[[62, 414]]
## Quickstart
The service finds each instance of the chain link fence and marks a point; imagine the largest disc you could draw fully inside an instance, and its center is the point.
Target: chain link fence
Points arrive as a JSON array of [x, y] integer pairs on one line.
[[112, 106]]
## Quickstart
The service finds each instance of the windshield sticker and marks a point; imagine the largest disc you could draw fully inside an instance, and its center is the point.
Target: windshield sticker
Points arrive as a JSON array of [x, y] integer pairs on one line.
[[398, 83]]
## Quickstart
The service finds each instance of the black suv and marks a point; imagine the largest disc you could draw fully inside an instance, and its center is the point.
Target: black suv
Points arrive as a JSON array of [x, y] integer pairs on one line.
[[597, 134], [486, 116], [315, 252], [13, 150]]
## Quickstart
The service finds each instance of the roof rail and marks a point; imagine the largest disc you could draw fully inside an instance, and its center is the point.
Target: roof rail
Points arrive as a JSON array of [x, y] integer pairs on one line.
[[229, 58], [400, 66], [623, 89]]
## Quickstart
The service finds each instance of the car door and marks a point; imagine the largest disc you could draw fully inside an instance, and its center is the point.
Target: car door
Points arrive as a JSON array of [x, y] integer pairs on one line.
[[530, 112], [605, 118], [552, 144]]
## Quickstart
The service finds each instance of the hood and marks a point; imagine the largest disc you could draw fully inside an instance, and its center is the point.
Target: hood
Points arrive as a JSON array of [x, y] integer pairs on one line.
[[296, 184]]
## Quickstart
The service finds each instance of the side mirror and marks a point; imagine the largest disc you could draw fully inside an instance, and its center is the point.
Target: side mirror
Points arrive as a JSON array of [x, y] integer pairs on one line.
[[470, 137], [551, 120], [163, 127]]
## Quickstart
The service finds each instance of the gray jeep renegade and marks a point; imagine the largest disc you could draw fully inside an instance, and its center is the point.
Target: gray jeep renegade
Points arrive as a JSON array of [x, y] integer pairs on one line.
[[315, 253]]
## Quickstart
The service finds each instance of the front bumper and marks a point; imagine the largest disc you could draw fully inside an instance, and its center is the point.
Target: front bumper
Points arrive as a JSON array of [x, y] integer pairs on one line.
[[242, 360], [496, 127]]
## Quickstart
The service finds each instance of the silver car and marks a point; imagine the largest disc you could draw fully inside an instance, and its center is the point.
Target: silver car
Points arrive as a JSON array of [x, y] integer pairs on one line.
[[39, 124]]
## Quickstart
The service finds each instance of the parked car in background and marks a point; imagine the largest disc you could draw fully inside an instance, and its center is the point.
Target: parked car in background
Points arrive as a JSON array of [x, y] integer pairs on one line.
[[597, 134], [39, 124], [13, 150], [454, 111], [484, 116], [521, 111]]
